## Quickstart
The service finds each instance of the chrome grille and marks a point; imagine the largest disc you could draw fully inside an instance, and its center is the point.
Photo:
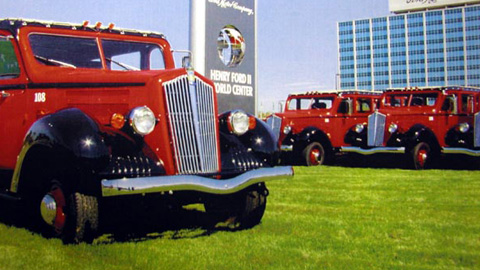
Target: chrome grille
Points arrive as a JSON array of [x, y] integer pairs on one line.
[[376, 129], [192, 119], [275, 122]]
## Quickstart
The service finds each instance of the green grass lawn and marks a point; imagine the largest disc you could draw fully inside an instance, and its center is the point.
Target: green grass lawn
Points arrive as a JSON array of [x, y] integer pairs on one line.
[[325, 218]]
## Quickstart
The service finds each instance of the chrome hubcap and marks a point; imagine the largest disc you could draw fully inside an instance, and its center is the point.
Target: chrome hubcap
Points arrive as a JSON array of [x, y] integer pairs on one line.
[[48, 209], [315, 157], [422, 157], [52, 208]]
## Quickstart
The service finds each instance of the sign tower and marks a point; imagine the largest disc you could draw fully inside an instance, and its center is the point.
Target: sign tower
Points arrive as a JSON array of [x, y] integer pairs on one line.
[[224, 46]]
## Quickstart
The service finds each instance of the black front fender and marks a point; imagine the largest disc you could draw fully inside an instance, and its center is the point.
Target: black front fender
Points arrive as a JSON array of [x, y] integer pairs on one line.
[[254, 149], [309, 135], [420, 133], [69, 138]]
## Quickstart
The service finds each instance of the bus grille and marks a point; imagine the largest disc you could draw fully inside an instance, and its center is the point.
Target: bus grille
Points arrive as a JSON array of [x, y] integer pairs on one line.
[[376, 129], [275, 123], [193, 125]]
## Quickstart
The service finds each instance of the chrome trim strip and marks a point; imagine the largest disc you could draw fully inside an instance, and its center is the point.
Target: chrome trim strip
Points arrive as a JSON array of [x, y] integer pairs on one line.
[[159, 184], [476, 131], [376, 150], [465, 151]]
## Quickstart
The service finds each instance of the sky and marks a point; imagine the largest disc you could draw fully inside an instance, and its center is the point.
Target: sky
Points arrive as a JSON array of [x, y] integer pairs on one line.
[[297, 39]]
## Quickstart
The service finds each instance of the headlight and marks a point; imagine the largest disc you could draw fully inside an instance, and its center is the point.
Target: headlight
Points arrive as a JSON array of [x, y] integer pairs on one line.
[[142, 120], [463, 127], [392, 128], [287, 130], [239, 122], [359, 128]]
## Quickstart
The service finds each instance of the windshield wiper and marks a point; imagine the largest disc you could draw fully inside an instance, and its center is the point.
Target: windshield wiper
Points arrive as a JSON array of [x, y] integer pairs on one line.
[[53, 62], [125, 66]]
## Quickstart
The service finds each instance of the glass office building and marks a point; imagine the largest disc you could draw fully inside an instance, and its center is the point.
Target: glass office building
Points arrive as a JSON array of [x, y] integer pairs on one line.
[[428, 48]]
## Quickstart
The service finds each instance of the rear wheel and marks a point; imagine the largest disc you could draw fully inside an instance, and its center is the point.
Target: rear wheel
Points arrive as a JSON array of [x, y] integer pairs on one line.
[[72, 217], [314, 154]]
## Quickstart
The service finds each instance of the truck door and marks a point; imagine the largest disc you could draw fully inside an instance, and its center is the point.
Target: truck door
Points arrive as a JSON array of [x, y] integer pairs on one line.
[[13, 82]]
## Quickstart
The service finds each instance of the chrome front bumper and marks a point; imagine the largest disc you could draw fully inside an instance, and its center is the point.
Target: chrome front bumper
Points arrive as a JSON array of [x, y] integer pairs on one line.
[[159, 184]]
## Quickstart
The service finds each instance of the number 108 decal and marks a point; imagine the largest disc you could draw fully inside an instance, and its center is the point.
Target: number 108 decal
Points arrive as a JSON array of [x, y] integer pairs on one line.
[[40, 97]]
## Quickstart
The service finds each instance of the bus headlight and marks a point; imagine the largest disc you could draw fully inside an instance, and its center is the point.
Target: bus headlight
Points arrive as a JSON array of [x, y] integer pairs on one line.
[[287, 129], [239, 122], [392, 128], [463, 127], [142, 120], [359, 128]]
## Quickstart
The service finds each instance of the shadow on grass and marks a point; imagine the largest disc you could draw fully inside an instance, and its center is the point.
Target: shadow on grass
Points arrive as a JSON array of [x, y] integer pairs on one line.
[[399, 161], [135, 226], [174, 225]]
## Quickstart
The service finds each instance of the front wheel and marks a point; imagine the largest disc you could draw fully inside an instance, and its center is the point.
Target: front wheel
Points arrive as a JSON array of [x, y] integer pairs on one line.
[[239, 211], [314, 154], [72, 217], [422, 156]]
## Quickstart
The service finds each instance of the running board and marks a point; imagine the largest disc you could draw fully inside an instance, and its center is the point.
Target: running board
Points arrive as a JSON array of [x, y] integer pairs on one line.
[[375, 150], [464, 151], [9, 197]]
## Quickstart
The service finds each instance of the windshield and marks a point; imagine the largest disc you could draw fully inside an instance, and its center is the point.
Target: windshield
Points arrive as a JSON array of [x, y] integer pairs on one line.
[[424, 99], [396, 100], [126, 55], [412, 100], [83, 52], [310, 103], [65, 51]]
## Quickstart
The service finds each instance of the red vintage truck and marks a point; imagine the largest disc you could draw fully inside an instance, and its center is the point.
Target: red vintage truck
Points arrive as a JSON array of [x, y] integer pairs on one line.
[[91, 114], [422, 125], [312, 128]]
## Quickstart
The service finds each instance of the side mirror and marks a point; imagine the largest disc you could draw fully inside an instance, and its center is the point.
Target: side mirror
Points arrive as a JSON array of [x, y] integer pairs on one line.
[[186, 61]]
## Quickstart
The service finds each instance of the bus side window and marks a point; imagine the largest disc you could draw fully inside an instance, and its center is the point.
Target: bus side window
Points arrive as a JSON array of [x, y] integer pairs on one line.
[[468, 104], [345, 106], [9, 68], [450, 104]]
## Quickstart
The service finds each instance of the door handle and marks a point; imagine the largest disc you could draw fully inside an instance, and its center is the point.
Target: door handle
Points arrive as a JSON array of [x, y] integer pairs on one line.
[[5, 94]]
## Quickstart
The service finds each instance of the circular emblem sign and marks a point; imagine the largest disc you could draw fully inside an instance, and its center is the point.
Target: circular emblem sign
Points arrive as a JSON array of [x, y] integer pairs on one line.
[[231, 46]]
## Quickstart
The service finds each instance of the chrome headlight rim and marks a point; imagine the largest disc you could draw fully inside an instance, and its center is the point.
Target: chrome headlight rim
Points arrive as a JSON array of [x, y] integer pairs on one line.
[[142, 120], [239, 122], [392, 128], [287, 129], [359, 128], [463, 127]]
